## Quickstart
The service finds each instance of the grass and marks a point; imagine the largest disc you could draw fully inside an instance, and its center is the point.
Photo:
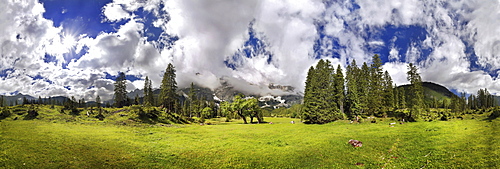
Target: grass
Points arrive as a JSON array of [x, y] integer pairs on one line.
[[50, 142]]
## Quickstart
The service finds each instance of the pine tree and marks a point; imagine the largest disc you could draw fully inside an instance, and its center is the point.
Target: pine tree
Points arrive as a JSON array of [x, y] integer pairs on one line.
[[98, 102], [148, 99], [136, 99], [352, 97], [416, 92], [192, 100], [388, 92], [168, 97], [376, 86], [120, 96], [340, 89], [308, 112], [402, 97], [364, 89], [319, 98]]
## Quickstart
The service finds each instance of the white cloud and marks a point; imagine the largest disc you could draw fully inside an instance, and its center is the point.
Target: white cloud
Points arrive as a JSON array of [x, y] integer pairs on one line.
[[115, 12], [211, 31]]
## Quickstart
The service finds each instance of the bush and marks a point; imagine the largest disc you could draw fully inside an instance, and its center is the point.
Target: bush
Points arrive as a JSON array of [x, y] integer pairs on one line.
[[495, 114], [444, 118], [75, 112], [32, 114], [5, 113]]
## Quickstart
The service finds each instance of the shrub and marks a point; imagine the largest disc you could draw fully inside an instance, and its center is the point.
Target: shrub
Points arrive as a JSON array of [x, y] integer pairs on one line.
[[444, 118], [32, 114], [5, 113], [495, 114]]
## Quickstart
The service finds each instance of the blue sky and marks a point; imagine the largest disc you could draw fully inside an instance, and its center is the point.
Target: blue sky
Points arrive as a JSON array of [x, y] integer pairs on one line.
[[77, 47]]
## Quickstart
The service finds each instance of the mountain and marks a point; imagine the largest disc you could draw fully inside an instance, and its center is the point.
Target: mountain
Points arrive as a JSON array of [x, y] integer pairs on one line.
[[12, 100]]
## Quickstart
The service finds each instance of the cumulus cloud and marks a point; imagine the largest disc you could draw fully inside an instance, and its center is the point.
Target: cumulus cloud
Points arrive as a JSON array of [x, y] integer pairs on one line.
[[211, 32]]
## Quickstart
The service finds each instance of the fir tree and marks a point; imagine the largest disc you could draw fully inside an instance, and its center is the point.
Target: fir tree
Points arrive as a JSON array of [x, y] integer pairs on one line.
[[168, 97], [120, 96], [416, 92], [353, 95], [376, 87], [363, 79], [192, 102], [148, 99], [388, 96], [98, 102], [339, 89]]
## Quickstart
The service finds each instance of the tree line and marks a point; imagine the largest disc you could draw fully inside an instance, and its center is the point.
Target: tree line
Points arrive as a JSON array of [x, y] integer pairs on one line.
[[369, 91], [193, 106]]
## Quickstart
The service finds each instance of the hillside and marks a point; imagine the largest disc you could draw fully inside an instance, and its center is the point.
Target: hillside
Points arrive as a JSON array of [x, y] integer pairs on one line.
[[432, 90]]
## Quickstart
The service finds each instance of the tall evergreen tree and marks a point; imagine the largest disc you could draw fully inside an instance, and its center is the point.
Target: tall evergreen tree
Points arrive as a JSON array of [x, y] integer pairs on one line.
[[98, 101], [416, 92], [192, 102], [388, 92], [120, 96], [364, 88], [376, 86], [320, 104], [168, 97], [148, 99], [353, 95], [308, 112], [340, 89], [402, 98]]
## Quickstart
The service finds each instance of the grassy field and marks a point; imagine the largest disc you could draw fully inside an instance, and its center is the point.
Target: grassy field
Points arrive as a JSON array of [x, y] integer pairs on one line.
[[49, 143]]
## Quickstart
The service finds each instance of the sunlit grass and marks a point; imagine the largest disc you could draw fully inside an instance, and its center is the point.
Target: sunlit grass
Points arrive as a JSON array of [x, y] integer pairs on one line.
[[83, 143]]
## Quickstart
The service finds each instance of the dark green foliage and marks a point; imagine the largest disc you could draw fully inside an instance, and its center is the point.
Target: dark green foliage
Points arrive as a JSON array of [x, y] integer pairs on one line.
[[4, 113], [2, 101], [376, 86], [339, 91], [98, 102], [388, 92], [120, 96], [100, 116], [148, 92], [495, 114], [416, 93], [32, 114], [323, 94], [168, 98]]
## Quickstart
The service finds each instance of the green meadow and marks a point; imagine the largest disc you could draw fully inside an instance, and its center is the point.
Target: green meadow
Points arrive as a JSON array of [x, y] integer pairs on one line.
[[55, 140]]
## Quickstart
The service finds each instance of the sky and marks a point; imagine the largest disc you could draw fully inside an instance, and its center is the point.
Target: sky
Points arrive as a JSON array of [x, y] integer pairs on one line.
[[77, 47]]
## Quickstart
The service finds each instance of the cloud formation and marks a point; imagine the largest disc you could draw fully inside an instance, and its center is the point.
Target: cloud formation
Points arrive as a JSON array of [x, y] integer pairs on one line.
[[453, 43]]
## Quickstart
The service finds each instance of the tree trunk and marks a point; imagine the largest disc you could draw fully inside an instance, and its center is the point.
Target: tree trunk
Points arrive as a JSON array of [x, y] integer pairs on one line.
[[243, 117]]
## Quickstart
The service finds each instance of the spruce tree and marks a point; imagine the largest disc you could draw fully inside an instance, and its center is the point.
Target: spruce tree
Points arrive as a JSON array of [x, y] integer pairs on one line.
[[364, 89], [308, 112], [388, 96], [120, 96], [376, 86], [192, 100], [98, 101], [416, 92], [352, 97], [148, 99], [168, 97], [340, 89]]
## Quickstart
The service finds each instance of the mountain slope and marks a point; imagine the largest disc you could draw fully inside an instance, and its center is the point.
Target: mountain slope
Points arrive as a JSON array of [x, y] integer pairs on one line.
[[432, 90]]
